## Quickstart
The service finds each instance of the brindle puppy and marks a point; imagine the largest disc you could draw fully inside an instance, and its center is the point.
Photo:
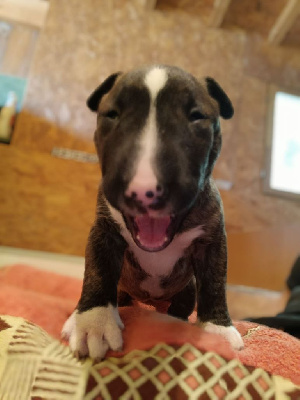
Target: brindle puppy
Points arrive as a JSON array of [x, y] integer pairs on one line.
[[159, 228]]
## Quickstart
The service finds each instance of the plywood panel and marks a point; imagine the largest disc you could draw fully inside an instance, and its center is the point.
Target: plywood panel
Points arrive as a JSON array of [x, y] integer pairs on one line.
[[293, 36], [219, 11], [71, 62], [264, 258], [284, 23], [46, 203], [201, 8], [253, 15], [36, 133], [120, 38], [278, 65]]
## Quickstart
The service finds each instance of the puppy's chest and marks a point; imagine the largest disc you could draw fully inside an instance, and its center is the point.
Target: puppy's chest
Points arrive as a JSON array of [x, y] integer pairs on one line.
[[154, 277], [147, 275]]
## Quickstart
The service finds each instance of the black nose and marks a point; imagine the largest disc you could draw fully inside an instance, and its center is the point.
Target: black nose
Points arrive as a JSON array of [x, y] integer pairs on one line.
[[143, 200], [158, 204], [149, 194]]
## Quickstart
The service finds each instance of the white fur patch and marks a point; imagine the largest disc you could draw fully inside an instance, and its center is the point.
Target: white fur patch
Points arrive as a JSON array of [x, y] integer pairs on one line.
[[155, 80], [93, 332], [144, 178], [230, 333], [160, 263]]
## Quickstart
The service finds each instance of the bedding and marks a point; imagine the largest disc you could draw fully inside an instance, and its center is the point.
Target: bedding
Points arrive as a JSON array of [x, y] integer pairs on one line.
[[162, 357], [35, 366]]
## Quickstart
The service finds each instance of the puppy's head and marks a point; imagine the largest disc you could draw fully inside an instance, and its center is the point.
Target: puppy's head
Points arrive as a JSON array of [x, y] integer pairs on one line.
[[157, 137]]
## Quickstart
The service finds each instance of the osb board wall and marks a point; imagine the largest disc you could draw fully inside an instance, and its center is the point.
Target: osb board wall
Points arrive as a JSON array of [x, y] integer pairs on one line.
[[249, 15], [201, 8], [293, 37], [120, 35], [263, 258], [70, 62], [79, 47], [254, 15], [46, 203], [38, 134]]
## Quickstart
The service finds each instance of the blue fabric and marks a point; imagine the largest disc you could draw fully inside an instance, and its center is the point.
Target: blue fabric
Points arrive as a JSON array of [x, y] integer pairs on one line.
[[15, 84]]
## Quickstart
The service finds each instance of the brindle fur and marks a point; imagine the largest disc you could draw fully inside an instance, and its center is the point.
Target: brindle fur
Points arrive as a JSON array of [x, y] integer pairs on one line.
[[111, 264], [205, 259]]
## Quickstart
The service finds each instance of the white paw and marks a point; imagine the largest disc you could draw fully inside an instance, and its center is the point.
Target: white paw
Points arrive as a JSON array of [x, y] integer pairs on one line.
[[228, 332], [93, 332]]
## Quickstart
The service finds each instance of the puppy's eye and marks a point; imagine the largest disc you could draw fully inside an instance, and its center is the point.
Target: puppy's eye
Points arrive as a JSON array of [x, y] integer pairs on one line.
[[196, 115], [112, 114]]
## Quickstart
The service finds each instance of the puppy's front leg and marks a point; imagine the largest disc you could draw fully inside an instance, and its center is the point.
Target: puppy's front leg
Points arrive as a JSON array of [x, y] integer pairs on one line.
[[95, 325], [211, 273]]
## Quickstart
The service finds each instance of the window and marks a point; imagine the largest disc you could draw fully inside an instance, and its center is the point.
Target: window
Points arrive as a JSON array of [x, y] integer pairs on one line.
[[283, 144]]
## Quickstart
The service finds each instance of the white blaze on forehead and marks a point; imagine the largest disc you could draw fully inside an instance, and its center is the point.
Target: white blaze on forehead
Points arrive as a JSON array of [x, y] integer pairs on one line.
[[144, 178], [155, 80]]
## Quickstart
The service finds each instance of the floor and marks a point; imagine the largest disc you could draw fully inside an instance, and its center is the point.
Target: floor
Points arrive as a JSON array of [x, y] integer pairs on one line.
[[243, 301], [58, 263]]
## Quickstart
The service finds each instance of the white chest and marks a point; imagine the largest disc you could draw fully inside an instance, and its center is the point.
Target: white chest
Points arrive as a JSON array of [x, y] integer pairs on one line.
[[158, 264], [161, 263]]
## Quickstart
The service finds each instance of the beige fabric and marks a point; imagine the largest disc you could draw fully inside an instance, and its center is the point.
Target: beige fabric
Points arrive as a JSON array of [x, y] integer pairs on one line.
[[35, 366]]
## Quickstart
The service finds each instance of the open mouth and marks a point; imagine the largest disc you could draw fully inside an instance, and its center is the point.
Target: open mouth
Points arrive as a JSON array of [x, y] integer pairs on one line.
[[151, 233]]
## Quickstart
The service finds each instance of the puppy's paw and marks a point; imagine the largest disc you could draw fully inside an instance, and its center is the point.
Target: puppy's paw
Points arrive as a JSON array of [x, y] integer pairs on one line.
[[230, 333], [93, 332]]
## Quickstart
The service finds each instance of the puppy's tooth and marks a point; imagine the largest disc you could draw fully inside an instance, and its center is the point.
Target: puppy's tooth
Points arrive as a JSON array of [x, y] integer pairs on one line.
[[165, 239], [138, 237]]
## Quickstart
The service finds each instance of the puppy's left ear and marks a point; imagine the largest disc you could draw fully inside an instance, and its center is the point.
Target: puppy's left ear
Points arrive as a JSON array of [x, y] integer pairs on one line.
[[215, 91]]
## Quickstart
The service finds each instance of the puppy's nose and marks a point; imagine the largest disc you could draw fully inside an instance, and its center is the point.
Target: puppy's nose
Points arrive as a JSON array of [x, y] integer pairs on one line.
[[145, 196]]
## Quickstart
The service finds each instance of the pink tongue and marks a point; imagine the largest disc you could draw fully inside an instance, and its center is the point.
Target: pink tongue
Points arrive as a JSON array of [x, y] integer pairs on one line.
[[152, 232]]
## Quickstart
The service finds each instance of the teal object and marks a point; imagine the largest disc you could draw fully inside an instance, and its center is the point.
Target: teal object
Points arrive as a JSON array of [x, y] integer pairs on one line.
[[12, 84]]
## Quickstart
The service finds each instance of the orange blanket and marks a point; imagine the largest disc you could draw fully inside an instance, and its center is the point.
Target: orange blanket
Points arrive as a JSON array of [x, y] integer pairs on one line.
[[47, 299]]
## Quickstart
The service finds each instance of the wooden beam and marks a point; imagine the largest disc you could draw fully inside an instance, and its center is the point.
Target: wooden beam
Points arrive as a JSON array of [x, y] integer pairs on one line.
[[150, 4], [284, 22], [27, 12], [219, 12]]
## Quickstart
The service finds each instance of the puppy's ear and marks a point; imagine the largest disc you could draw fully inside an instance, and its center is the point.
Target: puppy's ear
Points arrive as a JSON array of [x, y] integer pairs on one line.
[[215, 91], [95, 98]]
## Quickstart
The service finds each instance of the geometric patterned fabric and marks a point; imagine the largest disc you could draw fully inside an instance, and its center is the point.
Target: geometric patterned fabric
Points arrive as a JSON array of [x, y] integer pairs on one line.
[[169, 372], [35, 366]]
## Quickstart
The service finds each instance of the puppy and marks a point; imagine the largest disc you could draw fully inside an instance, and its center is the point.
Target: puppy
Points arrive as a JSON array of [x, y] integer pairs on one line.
[[159, 229]]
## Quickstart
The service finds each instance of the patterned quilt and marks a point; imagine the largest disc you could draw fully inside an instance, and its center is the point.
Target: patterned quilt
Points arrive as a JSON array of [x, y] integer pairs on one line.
[[35, 366]]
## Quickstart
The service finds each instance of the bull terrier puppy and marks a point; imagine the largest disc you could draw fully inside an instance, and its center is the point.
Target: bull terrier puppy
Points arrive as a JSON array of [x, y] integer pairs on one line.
[[159, 228]]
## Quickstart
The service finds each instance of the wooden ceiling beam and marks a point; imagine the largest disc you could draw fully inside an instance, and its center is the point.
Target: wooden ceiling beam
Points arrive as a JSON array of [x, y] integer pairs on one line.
[[284, 22], [27, 12], [219, 12], [149, 4]]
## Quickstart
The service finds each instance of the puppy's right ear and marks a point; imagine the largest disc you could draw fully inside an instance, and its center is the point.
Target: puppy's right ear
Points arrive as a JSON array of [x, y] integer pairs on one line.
[[95, 98]]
